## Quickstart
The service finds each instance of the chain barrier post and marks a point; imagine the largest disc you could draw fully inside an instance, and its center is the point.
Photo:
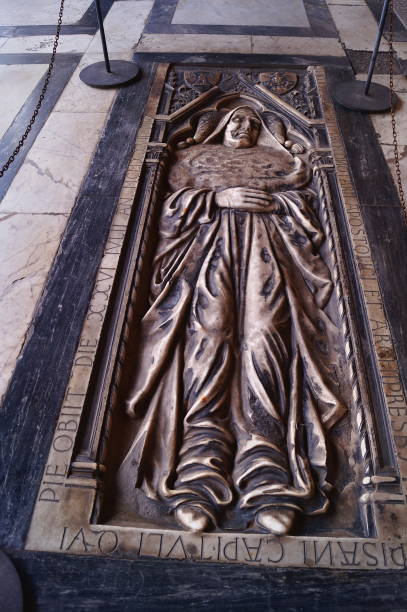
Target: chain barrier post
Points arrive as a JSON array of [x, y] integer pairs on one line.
[[110, 73], [102, 35], [393, 117], [377, 45], [372, 97], [366, 96]]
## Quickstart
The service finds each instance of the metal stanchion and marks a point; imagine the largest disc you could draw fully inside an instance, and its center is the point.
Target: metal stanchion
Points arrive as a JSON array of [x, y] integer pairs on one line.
[[110, 73], [366, 96]]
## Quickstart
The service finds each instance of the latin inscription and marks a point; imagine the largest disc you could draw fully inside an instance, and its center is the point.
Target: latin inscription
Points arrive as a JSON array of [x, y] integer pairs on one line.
[[382, 340], [101, 293], [57, 469], [264, 550]]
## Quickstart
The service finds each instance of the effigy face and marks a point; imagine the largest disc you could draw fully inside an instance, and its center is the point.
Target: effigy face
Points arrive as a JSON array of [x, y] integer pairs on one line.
[[221, 412]]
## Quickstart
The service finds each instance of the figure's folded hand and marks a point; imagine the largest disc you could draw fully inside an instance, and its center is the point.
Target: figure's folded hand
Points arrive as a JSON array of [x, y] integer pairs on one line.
[[249, 200]]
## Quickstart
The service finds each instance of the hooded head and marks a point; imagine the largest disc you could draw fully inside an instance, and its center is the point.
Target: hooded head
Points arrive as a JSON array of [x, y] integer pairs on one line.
[[242, 128]]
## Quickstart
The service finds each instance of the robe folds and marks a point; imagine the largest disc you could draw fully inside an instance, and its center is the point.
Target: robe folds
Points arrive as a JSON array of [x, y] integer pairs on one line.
[[233, 388]]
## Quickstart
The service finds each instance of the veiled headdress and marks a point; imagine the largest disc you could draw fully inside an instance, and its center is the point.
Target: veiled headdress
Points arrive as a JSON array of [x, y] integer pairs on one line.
[[211, 125]]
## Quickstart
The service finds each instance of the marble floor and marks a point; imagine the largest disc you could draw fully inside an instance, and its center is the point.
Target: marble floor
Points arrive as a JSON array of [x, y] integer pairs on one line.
[[21, 80], [40, 189], [40, 12], [237, 12]]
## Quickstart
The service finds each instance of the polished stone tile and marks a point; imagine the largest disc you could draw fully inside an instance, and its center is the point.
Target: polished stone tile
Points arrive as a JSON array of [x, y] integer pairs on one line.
[[78, 97], [75, 43], [40, 12], [382, 122], [290, 13], [400, 7], [399, 81], [401, 49], [347, 2], [388, 151], [28, 244], [194, 43], [49, 179], [288, 45], [357, 27], [382, 125], [123, 25], [16, 84]]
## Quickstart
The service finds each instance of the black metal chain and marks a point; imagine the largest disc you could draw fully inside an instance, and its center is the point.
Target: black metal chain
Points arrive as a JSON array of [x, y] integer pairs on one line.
[[41, 98], [393, 115]]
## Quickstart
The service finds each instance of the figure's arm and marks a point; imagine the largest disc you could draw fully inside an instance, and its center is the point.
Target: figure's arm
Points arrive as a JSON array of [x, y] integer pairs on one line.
[[301, 172], [271, 201], [248, 200], [185, 209], [297, 178]]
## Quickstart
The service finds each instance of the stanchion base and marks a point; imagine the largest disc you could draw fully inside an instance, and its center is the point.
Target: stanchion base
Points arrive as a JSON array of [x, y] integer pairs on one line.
[[122, 72], [351, 94]]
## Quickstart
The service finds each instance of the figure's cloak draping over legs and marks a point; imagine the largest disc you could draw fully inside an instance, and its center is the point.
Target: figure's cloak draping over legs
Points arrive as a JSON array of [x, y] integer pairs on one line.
[[232, 386]]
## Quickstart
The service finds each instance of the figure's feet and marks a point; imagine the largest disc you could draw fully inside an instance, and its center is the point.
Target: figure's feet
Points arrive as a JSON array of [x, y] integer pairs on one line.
[[192, 518], [276, 520]]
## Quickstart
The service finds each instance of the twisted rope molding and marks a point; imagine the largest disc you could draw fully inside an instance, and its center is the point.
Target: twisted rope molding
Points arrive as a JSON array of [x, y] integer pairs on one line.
[[340, 279]]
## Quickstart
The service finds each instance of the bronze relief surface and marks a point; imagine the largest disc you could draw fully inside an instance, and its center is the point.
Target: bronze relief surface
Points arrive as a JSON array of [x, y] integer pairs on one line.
[[235, 349], [232, 405]]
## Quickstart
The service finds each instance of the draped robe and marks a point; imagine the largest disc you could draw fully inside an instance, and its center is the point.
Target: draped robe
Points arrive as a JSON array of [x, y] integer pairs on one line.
[[233, 387]]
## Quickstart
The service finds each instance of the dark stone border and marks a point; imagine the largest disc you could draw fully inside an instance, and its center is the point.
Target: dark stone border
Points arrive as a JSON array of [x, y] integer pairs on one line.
[[64, 67], [36, 390], [34, 58], [44, 30], [89, 18], [321, 23], [65, 583], [382, 215], [360, 61], [244, 59], [403, 65]]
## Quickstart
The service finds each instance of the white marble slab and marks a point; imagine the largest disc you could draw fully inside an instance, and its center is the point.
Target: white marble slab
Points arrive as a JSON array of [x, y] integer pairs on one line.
[[382, 122], [399, 81], [348, 2], [288, 45], [242, 13], [388, 151], [401, 49], [75, 43], [16, 84], [123, 25], [28, 244], [50, 177], [195, 43], [40, 12], [356, 26], [80, 98]]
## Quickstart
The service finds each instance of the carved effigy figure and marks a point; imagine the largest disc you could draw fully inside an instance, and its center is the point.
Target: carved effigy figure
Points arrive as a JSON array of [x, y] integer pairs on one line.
[[233, 386]]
